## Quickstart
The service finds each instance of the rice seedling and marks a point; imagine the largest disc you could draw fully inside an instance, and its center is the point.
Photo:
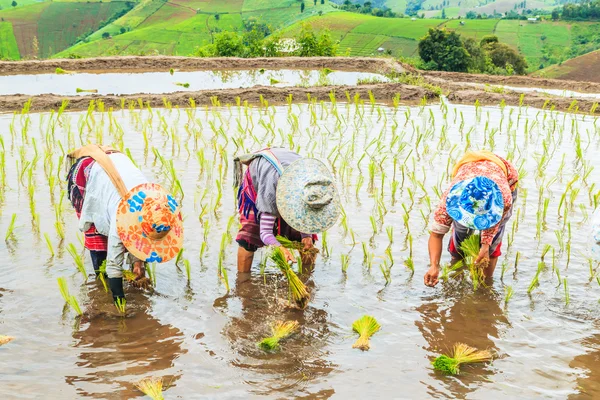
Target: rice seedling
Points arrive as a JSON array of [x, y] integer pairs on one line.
[[509, 292], [366, 326], [11, 228], [183, 84], [449, 270], [5, 339], [121, 305], [151, 387], [60, 71], [297, 291], [79, 90], [566, 289], [78, 260], [345, 262], [536, 278], [69, 299], [186, 264], [462, 354], [279, 330]]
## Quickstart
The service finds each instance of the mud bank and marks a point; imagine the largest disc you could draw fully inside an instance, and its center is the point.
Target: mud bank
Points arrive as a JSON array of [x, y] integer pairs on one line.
[[274, 95], [536, 100], [444, 78], [164, 63]]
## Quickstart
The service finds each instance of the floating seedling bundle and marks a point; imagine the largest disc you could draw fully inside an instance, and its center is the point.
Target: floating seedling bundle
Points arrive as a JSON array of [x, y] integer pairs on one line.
[[279, 331], [462, 354], [298, 293], [151, 387], [366, 326], [5, 339]]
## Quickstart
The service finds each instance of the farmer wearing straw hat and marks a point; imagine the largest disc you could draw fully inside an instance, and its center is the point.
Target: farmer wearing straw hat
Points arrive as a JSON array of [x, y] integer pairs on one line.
[[282, 193], [121, 212], [480, 198]]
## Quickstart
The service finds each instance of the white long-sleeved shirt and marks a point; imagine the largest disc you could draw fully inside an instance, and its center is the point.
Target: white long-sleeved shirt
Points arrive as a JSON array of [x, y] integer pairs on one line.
[[100, 207]]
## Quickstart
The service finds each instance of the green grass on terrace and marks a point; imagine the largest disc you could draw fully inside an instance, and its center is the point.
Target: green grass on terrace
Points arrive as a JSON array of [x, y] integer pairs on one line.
[[8, 43]]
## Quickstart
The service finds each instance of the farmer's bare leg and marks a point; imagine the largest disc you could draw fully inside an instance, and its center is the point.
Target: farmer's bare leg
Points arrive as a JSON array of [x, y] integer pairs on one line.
[[489, 271], [244, 259]]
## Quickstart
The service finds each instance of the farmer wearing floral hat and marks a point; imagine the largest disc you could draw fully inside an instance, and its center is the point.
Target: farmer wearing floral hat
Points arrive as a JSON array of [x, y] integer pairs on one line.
[[480, 198], [282, 193], [121, 212]]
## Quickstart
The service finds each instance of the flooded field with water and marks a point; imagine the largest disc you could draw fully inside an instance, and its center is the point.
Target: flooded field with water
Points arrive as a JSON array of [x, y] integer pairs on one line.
[[121, 83], [391, 164]]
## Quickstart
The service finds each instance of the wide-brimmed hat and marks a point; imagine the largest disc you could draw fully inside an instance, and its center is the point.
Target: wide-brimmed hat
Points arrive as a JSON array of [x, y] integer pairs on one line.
[[149, 223], [307, 198], [475, 203]]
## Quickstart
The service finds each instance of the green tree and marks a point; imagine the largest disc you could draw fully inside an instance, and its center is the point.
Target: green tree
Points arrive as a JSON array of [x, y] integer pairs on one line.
[[488, 39], [14, 3], [555, 15], [315, 2], [105, 35], [228, 44], [322, 1], [503, 56], [444, 51], [477, 59], [217, 17], [123, 30], [302, 6], [312, 45], [443, 13], [471, 15]]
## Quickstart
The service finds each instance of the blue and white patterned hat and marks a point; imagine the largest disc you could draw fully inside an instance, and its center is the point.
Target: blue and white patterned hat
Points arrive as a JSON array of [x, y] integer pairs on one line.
[[475, 203], [307, 198]]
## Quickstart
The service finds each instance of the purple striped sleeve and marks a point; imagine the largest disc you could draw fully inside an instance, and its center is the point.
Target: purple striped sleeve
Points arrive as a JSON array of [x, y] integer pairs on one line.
[[267, 222]]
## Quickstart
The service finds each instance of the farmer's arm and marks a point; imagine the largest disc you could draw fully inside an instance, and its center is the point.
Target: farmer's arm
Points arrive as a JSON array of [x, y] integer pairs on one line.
[[267, 224], [440, 225]]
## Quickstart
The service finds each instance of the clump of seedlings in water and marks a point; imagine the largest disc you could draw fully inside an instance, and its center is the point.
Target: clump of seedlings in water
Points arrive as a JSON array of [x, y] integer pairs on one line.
[[309, 254], [296, 289], [79, 90], [366, 326], [279, 331], [121, 305], [69, 299], [151, 387], [462, 354]]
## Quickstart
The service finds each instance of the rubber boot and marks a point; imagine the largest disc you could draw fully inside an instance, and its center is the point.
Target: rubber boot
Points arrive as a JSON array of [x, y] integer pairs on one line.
[[116, 287]]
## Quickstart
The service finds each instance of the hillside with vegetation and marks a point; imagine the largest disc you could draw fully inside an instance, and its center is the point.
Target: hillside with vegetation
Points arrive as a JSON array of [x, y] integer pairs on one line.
[[76, 29]]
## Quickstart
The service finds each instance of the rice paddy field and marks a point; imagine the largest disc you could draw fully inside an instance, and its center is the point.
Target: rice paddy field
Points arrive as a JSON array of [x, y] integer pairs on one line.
[[198, 327]]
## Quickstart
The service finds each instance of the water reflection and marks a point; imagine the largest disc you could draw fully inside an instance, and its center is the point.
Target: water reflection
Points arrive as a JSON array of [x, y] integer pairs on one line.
[[116, 352], [253, 306], [471, 318], [588, 385]]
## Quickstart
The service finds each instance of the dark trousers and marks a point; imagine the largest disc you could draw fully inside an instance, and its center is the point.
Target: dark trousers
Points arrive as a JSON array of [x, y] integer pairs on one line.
[[98, 257]]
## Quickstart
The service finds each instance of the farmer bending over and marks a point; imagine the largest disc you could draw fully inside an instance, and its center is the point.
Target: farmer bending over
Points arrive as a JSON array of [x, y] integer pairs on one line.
[[282, 193], [480, 198], [120, 212]]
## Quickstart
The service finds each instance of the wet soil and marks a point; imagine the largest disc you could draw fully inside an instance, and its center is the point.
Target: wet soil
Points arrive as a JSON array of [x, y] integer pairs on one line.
[[452, 84]]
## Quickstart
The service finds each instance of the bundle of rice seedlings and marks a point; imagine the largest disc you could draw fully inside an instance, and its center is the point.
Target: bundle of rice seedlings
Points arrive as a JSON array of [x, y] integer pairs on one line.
[[297, 289], [309, 255], [151, 387], [463, 354], [121, 305], [280, 330], [5, 339], [470, 248], [365, 326]]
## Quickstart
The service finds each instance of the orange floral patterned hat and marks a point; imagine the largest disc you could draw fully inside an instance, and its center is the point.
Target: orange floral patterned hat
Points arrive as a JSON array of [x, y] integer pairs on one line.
[[149, 223]]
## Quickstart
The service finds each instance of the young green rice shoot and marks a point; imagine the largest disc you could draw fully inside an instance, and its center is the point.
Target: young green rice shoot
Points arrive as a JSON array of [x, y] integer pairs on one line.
[[11, 228]]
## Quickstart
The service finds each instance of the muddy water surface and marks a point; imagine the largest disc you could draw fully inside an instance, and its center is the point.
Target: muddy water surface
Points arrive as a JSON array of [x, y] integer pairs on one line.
[[202, 340], [163, 82]]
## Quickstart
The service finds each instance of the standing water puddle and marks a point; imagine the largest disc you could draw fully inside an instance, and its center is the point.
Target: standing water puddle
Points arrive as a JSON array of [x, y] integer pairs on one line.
[[390, 164], [164, 82]]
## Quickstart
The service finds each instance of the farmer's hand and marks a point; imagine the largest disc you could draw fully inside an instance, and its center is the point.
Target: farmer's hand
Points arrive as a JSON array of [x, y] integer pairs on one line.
[[139, 269], [288, 254], [308, 243], [431, 277], [484, 255]]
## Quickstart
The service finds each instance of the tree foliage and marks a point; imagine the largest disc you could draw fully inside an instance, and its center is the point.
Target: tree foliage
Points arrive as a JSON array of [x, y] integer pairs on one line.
[[446, 51]]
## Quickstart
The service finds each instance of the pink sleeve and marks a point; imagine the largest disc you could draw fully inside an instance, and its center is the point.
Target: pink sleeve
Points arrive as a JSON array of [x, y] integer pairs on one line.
[[267, 222], [487, 236]]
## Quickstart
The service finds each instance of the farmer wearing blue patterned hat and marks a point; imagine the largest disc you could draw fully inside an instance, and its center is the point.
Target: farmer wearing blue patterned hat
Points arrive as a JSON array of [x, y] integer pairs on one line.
[[479, 199], [282, 193]]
